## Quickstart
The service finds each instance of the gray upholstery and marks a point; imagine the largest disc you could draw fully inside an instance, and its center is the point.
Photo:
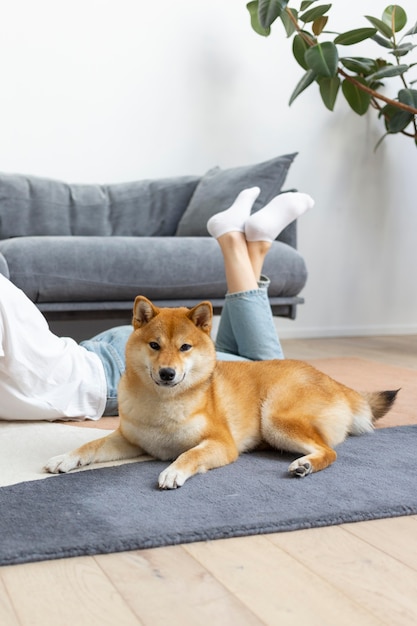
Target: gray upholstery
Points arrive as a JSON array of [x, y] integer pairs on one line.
[[218, 188], [39, 206], [89, 269], [81, 248]]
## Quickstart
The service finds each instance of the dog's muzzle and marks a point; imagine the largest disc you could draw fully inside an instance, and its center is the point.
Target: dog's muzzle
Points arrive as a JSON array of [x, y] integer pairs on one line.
[[167, 375]]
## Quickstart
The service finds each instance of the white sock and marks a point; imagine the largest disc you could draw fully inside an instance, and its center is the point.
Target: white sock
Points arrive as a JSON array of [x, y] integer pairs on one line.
[[233, 218], [267, 223]]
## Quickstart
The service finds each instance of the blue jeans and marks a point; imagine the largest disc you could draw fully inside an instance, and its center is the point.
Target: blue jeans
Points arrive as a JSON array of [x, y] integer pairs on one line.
[[110, 347], [246, 333], [246, 329]]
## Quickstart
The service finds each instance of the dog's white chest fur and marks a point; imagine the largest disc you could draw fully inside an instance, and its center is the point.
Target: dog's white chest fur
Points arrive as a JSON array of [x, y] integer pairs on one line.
[[163, 430]]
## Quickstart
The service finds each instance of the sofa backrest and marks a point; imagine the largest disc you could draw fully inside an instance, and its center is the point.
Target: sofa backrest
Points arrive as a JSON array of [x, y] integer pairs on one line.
[[33, 206], [38, 206]]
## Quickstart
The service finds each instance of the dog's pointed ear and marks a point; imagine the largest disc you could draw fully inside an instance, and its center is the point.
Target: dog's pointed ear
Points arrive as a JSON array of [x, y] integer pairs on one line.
[[143, 312], [202, 316]]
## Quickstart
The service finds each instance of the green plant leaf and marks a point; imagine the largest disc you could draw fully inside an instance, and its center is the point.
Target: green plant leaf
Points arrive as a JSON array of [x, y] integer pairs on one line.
[[306, 4], [385, 43], [408, 96], [354, 36], [269, 10], [402, 49], [288, 23], [323, 59], [389, 71], [329, 88], [395, 119], [312, 14], [380, 141], [252, 7], [319, 24], [357, 99], [306, 80], [380, 25], [299, 48], [375, 85], [359, 65], [412, 31], [395, 17]]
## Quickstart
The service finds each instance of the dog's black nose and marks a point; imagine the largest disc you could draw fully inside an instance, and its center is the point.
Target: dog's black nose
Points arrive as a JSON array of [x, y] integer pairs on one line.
[[167, 374]]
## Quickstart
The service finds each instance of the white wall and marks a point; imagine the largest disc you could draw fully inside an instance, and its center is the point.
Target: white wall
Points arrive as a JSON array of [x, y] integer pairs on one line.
[[115, 90]]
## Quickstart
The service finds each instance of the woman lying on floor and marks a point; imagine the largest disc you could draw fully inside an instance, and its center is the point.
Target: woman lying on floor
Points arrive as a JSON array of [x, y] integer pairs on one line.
[[45, 377]]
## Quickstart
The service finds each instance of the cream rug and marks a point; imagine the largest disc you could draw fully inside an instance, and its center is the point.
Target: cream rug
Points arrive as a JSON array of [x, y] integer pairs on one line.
[[26, 446]]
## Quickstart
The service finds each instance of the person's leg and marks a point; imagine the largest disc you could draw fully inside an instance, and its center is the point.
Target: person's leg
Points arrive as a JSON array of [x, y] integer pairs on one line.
[[110, 347], [246, 327], [239, 278]]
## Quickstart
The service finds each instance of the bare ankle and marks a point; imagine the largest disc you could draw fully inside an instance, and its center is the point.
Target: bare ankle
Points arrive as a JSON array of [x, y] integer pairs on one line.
[[232, 238], [258, 248], [257, 251]]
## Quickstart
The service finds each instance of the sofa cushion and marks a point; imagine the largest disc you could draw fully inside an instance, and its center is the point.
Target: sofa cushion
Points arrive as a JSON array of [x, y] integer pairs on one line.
[[218, 188], [98, 269], [40, 206]]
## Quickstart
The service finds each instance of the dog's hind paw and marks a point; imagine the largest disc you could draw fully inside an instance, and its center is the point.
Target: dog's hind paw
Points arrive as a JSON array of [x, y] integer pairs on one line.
[[300, 468], [171, 478]]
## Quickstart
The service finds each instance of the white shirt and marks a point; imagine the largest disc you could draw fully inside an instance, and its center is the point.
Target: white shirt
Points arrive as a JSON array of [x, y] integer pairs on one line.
[[42, 376]]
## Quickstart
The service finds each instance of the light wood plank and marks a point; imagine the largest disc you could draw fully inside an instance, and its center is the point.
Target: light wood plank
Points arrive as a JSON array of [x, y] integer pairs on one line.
[[392, 536], [275, 586], [394, 350], [8, 615], [373, 579], [65, 592], [166, 585]]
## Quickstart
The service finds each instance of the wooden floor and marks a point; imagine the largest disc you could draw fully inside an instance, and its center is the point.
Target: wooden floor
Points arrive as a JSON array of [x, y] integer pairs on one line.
[[363, 573]]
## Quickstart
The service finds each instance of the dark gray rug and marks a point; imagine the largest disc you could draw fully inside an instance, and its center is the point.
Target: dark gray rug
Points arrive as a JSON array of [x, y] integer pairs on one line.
[[120, 508]]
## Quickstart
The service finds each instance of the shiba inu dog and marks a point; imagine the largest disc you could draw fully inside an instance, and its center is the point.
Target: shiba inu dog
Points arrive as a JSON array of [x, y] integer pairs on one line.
[[177, 403]]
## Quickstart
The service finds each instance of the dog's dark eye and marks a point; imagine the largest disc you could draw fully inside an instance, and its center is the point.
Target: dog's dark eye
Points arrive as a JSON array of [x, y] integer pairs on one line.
[[154, 345], [185, 347]]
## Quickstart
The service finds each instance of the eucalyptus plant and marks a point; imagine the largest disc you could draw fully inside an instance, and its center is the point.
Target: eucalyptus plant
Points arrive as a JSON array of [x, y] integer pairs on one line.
[[359, 79]]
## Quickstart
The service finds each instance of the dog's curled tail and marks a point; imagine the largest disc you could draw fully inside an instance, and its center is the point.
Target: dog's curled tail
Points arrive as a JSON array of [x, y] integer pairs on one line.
[[380, 402]]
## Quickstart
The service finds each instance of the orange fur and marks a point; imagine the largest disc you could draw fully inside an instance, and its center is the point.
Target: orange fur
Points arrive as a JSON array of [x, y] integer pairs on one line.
[[177, 403]]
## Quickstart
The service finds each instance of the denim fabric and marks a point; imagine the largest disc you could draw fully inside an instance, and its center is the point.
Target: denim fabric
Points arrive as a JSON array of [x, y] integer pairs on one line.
[[247, 327], [110, 348]]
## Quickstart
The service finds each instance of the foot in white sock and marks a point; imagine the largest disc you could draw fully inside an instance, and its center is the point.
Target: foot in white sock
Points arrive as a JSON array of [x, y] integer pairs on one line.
[[267, 223], [233, 218]]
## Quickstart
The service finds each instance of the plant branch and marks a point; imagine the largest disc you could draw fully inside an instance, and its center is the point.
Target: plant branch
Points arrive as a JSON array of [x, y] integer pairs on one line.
[[376, 94], [309, 40]]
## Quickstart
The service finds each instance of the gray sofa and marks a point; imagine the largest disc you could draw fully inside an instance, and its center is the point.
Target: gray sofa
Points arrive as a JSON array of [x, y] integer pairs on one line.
[[86, 251]]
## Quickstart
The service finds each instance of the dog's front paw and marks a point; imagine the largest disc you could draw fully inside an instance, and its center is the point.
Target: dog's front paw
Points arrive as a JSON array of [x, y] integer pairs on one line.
[[171, 478], [62, 464], [300, 468]]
